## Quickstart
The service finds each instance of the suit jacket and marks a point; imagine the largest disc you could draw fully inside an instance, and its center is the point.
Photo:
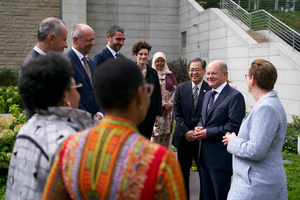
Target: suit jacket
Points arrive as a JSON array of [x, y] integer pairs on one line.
[[225, 115], [87, 100], [258, 171], [185, 115], [33, 54], [104, 55]]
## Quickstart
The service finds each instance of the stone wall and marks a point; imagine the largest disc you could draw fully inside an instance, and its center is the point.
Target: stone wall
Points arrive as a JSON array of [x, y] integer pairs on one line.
[[19, 21]]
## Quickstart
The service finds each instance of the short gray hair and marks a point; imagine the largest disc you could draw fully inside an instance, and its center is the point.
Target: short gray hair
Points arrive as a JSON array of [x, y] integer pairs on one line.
[[50, 25], [113, 28]]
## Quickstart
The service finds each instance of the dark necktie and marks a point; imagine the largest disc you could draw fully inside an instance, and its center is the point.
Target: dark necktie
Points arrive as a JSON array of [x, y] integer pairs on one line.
[[195, 96], [87, 69], [211, 101], [117, 55]]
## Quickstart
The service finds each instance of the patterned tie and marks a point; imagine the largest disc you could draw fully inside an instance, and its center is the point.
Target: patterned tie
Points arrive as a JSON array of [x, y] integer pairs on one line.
[[87, 69], [195, 96], [211, 100]]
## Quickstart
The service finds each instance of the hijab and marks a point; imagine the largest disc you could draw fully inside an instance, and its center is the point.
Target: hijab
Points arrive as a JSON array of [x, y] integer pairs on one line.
[[161, 74]]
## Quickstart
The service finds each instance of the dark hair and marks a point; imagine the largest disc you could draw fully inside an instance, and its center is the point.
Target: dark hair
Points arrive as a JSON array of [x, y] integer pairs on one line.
[[44, 80], [140, 45], [48, 26], [111, 30], [264, 72], [116, 82], [203, 62]]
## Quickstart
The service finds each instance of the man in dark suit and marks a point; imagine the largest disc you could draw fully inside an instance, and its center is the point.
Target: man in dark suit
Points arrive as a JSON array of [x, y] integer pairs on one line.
[[52, 36], [223, 111], [115, 36], [187, 115], [84, 68]]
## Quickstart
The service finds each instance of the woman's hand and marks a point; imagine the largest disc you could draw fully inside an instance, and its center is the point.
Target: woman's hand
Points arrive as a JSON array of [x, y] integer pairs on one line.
[[168, 107], [227, 137], [157, 118]]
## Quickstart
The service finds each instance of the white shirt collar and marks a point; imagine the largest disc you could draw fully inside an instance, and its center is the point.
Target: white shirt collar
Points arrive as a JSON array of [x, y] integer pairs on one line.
[[199, 85], [112, 51], [39, 50], [220, 88], [80, 55]]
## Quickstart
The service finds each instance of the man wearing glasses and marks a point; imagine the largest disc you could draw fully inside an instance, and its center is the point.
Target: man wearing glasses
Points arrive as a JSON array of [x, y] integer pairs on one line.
[[187, 109]]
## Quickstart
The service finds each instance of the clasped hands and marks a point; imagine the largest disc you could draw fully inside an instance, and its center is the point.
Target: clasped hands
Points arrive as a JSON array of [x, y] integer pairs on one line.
[[227, 137], [197, 134]]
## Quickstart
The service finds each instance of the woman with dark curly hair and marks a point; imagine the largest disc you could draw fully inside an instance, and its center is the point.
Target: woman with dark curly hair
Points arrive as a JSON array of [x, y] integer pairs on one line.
[[141, 51], [47, 87]]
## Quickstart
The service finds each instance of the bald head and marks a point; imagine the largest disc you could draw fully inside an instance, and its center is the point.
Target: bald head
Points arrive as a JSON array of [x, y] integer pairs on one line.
[[83, 38], [216, 73]]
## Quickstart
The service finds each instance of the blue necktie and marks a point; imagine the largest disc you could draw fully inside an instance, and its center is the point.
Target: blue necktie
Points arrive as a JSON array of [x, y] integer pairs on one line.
[[211, 101]]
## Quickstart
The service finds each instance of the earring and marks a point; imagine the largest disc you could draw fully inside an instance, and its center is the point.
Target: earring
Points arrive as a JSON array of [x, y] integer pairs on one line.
[[67, 104]]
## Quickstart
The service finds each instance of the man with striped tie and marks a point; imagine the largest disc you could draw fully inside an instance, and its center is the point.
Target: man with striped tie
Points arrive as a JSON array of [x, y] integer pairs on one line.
[[187, 109]]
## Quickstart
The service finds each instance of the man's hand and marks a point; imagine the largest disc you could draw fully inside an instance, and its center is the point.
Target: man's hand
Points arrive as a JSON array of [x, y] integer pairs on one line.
[[190, 136], [200, 133]]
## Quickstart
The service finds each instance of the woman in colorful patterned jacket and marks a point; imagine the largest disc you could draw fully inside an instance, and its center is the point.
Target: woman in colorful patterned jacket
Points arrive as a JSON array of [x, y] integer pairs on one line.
[[113, 160], [47, 87]]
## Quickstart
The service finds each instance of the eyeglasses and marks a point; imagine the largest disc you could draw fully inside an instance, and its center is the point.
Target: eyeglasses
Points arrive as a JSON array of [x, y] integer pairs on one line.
[[149, 88], [195, 70], [77, 87], [246, 76]]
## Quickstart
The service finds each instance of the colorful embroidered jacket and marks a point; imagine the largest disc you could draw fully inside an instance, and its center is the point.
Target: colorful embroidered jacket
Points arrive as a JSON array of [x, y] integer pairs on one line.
[[113, 161]]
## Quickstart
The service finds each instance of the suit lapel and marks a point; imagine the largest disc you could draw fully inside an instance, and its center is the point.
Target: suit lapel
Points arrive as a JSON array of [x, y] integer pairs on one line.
[[81, 68], [220, 98]]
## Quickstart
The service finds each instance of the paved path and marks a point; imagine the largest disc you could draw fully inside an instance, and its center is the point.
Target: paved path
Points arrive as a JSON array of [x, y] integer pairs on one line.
[[194, 186]]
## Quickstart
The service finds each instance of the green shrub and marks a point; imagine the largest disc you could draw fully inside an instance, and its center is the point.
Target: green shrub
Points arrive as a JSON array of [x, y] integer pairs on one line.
[[8, 97], [291, 138], [8, 77], [179, 69]]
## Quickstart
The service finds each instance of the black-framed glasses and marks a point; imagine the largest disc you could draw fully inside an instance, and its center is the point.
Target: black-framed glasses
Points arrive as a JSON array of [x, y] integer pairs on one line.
[[195, 70], [246, 76], [149, 88], [77, 87]]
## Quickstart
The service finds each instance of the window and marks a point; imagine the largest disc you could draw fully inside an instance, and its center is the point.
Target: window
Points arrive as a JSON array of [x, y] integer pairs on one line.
[[183, 39]]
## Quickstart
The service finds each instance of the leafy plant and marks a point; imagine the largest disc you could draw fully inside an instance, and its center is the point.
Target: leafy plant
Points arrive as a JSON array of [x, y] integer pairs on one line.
[[292, 168], [8, 97], [291, 140], [179, 69], [8, 77]]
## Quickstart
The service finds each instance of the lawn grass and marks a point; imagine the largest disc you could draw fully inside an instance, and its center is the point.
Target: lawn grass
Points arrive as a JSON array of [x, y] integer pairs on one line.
[[292, 169]]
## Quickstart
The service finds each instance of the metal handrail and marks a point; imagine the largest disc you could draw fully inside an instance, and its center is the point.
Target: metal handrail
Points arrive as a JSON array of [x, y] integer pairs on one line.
[[262, 20]]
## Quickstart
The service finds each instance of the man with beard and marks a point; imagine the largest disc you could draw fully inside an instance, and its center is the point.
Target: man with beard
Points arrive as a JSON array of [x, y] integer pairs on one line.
[[84, 68], [115, 36]]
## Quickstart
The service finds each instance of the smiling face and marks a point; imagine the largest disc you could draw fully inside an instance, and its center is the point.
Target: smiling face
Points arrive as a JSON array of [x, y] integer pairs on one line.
[[196, 72], [117, 41], [159, 63], [215, 77], [85, 43], [142, 56], [60, 43]]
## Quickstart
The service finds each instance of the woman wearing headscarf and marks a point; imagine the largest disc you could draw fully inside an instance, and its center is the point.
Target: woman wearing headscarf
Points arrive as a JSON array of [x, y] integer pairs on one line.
[[141, 51], [48, 88], [162, 131], [113, 160], [258, 171]]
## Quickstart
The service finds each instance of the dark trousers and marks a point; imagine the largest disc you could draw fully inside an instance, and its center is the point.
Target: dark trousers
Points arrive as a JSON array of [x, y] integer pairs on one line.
[[186, 153], [215, 184]]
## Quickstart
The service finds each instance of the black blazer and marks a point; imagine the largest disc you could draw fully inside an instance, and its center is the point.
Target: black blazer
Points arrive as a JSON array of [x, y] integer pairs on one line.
[[155, 107], [185, 115], [104, 55], [87, 100], [226, 115]]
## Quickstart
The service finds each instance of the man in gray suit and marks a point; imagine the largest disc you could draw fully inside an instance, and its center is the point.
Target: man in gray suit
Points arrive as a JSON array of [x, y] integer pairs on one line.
[[52, 36]]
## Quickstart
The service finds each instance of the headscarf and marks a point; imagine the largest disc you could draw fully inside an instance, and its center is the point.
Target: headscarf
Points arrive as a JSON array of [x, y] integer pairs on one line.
[[161, 74]]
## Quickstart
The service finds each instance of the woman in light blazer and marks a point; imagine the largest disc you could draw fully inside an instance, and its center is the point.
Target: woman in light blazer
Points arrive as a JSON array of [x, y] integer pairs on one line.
[[258, 171]]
